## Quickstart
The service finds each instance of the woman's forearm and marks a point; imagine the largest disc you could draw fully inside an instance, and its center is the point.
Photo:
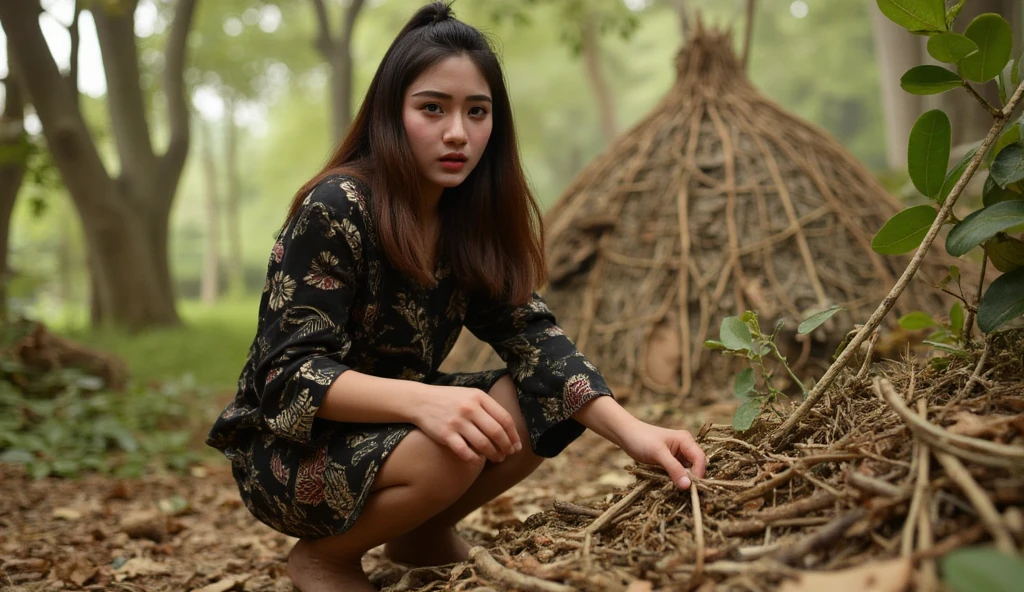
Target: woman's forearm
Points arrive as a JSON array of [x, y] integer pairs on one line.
[[605, 416], [362, 398]]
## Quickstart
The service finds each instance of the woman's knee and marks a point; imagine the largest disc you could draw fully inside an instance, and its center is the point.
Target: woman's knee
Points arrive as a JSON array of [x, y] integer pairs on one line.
[[420, 462]]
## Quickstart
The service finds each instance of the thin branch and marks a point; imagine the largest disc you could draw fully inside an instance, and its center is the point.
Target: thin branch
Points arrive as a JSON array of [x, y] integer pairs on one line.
[[324, 41], [783, 433], [989, 515], [748, 35], [174, 88], [972, 310], [698, 527], [992, 109], [74, 31]]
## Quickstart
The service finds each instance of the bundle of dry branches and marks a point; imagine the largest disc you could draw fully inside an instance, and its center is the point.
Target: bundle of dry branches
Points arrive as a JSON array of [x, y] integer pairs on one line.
[[717, 202], [890, 472]]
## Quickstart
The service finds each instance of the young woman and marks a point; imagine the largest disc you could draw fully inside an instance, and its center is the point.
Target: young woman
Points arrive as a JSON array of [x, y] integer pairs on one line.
[[343, 432]]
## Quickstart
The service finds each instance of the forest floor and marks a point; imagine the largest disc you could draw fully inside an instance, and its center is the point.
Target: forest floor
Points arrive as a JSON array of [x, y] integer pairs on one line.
[[867, 497]]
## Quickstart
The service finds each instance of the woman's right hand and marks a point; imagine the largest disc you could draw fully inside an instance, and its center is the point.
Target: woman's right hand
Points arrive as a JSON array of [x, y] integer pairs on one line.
[[468, 421]]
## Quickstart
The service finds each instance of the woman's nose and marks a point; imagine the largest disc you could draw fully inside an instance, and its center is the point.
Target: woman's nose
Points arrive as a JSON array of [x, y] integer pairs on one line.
[[456, 132]]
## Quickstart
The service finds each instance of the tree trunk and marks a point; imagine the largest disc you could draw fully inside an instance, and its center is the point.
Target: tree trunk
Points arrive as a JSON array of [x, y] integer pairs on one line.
[[338, 53], [591, 49], [233, 213], [896, 51], [12, 171], [125, 219], [209, 281]]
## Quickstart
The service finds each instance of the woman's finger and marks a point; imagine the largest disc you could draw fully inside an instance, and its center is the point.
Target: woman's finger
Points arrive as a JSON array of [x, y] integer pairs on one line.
[[693, 453], [504, 419], [494, 431], [461, 449], [673, 467], [480, 443]]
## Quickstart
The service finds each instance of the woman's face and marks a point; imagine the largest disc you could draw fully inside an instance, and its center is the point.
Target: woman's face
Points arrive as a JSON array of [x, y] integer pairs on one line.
[[447, 118]]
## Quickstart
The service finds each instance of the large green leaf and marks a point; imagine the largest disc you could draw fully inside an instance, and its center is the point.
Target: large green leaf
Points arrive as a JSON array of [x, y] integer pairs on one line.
[[745, 415], [916, 15], [817, 319], [744, 383], [735, 334], [904, 231], [982, 225], [928, 151], [1003, 301], [979, 569], [954, 175], [951, 47], [1008, 166], [929, 80], [994, 38], [1006, 253], [992, 193]]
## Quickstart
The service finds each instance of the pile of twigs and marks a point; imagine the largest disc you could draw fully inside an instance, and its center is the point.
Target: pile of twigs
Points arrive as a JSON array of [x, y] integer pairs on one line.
[[907, 464]]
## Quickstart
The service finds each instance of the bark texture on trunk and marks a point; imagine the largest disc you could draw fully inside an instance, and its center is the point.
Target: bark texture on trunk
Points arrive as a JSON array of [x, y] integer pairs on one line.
[[591, 49], [337, 50], [125, 218], [209, 281], [12, 139]]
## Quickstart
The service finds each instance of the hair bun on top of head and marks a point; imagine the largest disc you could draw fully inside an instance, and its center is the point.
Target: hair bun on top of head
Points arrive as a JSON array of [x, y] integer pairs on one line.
[[438, 12]]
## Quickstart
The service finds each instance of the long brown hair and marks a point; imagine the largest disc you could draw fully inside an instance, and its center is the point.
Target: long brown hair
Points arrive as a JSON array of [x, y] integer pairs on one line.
[[492, 231]]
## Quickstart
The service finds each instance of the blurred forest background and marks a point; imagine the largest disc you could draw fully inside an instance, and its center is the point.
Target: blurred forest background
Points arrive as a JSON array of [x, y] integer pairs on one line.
[[194, 121]]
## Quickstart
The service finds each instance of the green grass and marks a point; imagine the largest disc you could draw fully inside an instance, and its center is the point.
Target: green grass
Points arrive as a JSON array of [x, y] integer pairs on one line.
[[211, 344]]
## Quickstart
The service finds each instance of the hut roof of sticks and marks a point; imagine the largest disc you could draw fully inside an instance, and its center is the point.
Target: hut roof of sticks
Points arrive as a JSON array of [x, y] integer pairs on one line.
[[719, 201]]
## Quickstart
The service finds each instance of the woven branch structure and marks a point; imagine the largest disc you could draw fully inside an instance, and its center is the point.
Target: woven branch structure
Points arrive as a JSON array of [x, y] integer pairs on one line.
[[717, 202]]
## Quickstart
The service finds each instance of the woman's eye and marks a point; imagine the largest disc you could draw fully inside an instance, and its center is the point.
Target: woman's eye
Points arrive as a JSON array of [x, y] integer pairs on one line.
[[432, 108], [479, 111]]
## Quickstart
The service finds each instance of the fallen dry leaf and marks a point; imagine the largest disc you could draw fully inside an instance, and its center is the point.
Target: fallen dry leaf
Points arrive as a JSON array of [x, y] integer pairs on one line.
[[221, 586], [976, 426], [877, 576], [140, 566], [67, 514]]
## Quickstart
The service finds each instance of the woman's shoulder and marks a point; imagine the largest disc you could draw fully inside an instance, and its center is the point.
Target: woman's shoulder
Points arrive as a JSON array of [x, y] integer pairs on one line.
[[341, 195]]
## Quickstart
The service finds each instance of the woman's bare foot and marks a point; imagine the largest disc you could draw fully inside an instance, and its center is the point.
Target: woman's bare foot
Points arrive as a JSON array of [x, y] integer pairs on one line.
[[425, 548], [312, 573]]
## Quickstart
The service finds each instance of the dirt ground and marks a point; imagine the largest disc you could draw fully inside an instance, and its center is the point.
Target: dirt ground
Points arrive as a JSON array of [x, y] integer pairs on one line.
[[190, 532]]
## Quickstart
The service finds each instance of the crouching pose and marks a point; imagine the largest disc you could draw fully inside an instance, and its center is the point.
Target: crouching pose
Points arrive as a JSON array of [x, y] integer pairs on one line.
[[344, 433]]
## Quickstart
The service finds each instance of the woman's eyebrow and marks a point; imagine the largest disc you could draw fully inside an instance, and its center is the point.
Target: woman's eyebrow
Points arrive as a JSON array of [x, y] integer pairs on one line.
[[440, 95]]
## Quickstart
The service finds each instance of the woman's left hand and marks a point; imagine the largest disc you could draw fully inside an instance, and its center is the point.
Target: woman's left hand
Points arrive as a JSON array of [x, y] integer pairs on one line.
[[673, 450]]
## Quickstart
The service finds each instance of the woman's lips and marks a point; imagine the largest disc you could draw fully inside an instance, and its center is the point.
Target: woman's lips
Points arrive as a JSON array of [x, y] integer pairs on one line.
[[453, 162]]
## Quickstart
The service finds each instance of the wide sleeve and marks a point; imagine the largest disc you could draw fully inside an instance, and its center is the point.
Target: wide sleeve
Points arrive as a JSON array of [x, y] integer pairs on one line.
[[552, 378], [312, 277]]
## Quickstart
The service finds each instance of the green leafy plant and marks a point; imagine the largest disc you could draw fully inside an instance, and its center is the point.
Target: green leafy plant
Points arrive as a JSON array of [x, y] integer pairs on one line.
[[742, 336], [982, 53], [979, 569], [62, 423]]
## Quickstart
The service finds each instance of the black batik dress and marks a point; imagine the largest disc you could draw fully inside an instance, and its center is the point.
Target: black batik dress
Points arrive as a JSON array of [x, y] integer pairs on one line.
[[331, 303]]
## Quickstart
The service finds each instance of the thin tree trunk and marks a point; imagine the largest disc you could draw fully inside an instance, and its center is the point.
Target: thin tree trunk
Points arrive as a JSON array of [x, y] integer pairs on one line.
[[233, 209], [591, 49], [12, 141], [209, 281], [896, 51], [338, 53]]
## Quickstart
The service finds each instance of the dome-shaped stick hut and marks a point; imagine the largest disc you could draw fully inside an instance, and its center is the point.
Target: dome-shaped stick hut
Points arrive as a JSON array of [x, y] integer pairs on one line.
[[717, 202]]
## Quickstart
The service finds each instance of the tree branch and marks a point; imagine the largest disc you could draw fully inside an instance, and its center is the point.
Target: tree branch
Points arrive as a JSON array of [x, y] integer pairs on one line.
[[782, 434], [993, 111], [324, 41], [174, 89], [125, 101], [75, 33]]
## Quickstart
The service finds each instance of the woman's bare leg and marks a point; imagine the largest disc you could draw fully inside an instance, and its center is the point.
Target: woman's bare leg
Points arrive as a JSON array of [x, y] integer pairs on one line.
[[434, 542], [418, 480]]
